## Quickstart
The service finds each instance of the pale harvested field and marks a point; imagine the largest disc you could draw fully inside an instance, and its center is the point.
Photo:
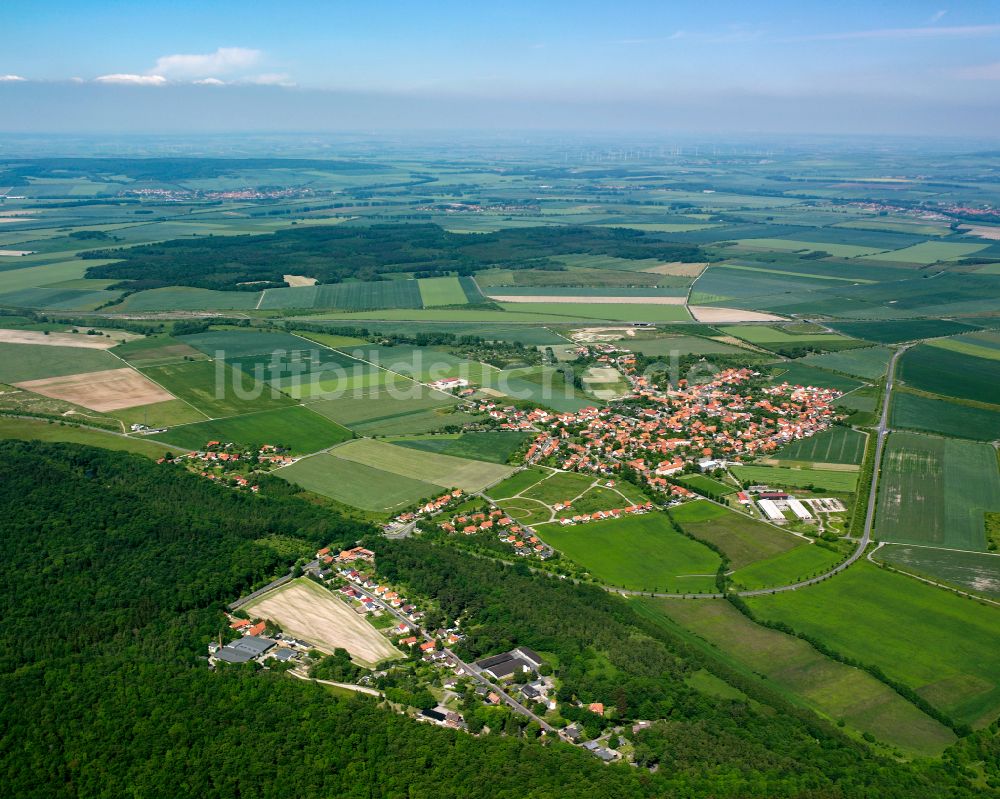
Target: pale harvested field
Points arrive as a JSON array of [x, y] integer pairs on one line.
[[109, 390], [983, 231], [56, 339], [15, 253], [310, 612], [591, 300], [677, 269], [704, 313], [299, 280]]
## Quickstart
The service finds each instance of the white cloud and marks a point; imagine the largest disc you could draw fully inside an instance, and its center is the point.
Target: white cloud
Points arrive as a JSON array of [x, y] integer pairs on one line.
[[980, 72], [942, 32], [10, 78], [224, 61], [133, 80], [209, 82], [271, 79], [936, 16]]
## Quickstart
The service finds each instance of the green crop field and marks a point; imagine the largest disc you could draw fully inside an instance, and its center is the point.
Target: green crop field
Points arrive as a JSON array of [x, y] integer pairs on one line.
[[20, 362], [295, 427], [518, 482], [940, 644], [795, 565], [560, 487], [441, 291], [37, 430], [159, 414], [215, 389], [821, 479], [903, 330], [916, 412], [156, 351], [797, 373], [744, 540], [951, 374], [804, 676], [428, 421], [935, 491], [977, 572], [612, 312], [868, 362], [184, 298], [930, 252], [357, 485], [840, 250], [837, 444], [764, 335], [980, 347], [636, 552], [442, 470], [495, 447], [382, 405], [236, 344], [683, 345]]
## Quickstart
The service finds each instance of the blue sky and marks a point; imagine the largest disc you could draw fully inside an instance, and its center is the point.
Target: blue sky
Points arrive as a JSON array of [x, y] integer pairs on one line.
[[768, 66]]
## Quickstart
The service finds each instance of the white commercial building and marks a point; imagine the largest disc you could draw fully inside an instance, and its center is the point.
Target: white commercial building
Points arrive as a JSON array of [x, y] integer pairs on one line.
[[771, 510], [799, 510]]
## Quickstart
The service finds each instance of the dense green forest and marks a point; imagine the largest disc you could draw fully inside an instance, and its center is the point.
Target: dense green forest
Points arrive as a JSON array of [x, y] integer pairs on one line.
[[115, 573], [332, 254]]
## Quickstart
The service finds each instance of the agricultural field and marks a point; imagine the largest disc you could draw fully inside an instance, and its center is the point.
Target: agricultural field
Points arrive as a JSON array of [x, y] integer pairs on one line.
[[107, 390], [386, 405], [930, 252], [805, 676], [494, 447], [309, 611], [797, 373], [901, 331], [792, 566], [295, 427], [38, 430], [601, 311], [767, 336], [238, 344], [20, 362], [357, 485], [785, 477], [706, 485], [939, 644], [950, 374], [910, 411], [216, 389], [743, 539], [836, 445], [868, 363], [442, 470], [441, 291], [977, 572], [636, 552], [934, 491], [156, 351], [682, 345]]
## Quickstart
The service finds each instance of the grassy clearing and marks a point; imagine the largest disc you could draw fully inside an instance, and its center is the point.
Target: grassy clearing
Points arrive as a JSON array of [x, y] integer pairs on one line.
[[559, 487], [935, 491], [34, 430], [494, 447], [940, 644], [795, 565], [744, 540], [916, 412], [835, 445], [784, 477], [442, 470], [295, 427], [357, 485], [518, 482], [216, 389], [20, 362], [806, 677], [636, 552]]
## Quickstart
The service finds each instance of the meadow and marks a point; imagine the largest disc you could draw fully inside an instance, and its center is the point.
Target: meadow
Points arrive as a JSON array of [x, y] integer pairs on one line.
[[792, 566], [559, 487], [442, 470], [636, 552], [518, 482], [156, 351], [38, 430], [804, 676], [743, 539], [356, 484], [706, 485], [295, 427], [934, 491], [939, 644], [838, 444], [911, 411], [785, 477], [377, 405], [215, 389], [20, 362]]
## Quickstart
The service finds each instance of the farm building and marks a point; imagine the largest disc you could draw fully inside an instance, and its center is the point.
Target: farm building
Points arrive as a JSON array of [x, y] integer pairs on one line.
[[799, 510], [245, 649], [769, 509]]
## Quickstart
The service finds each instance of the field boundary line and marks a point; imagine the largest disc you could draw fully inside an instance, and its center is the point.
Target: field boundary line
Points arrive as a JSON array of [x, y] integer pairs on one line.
[[154, 382]]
